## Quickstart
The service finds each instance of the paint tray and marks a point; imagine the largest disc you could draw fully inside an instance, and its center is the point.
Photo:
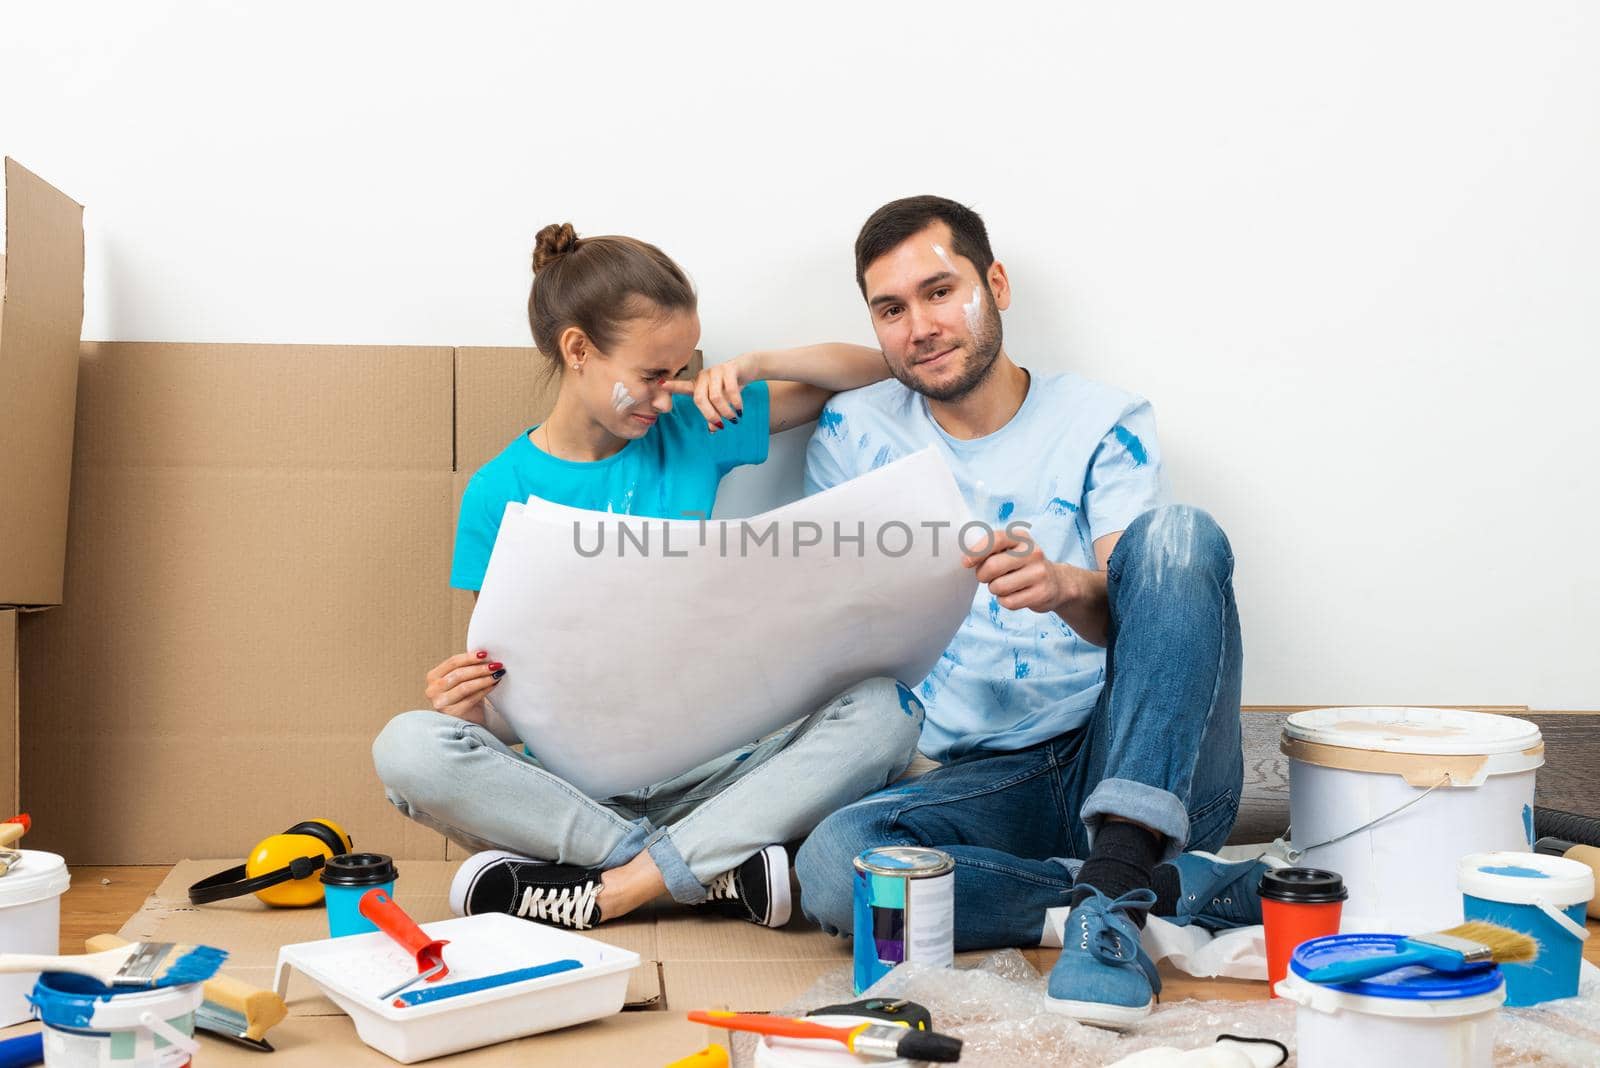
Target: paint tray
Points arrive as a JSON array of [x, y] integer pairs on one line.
[[355, 969]]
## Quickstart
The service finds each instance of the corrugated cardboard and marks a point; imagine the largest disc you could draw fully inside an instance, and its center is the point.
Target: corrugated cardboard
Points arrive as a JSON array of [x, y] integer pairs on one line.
[[10, 711], [257, 581], [41, 314]]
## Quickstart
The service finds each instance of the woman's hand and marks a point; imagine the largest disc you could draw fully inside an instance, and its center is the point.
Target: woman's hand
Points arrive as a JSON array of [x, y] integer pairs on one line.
[[716, 390], [458, 685]]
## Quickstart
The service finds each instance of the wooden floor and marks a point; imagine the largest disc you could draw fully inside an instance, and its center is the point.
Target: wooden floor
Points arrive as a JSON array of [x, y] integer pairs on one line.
[[102, 900]]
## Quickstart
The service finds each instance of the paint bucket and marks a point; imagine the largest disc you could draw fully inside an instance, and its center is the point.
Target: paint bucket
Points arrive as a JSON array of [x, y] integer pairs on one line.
[[905, 908], [1544, 898], [1409, 1018], [774, 1052], [90, 1025], [1392, 798], [30, 922]]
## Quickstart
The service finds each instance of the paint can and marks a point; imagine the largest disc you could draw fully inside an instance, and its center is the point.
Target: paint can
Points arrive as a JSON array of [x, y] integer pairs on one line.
[[1544, 898], [905, 907], [30, 922], [1392, 798], [90, 1025], [1402, 1019], [773, 1052]]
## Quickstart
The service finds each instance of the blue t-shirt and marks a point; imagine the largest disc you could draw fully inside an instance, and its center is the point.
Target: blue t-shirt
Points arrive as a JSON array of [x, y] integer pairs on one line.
[[1078, 461], [670, 473]]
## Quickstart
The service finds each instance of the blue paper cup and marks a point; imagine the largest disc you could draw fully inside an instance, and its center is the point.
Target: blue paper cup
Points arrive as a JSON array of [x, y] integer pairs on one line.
[[345, 880]]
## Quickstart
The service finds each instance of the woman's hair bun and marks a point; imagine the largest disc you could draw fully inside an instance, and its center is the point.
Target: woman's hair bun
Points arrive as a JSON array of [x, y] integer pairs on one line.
[[551, 243]]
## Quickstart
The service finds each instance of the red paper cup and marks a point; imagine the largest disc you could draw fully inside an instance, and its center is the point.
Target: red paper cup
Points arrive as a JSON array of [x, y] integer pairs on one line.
[[1297, 904]]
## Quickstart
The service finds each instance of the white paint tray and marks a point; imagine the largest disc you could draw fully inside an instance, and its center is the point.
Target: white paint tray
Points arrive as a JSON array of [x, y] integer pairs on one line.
[[355, 969]]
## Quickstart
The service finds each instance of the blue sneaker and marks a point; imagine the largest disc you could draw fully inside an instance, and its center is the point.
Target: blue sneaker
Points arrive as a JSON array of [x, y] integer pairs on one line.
[[1217, 894], [1104, 977]]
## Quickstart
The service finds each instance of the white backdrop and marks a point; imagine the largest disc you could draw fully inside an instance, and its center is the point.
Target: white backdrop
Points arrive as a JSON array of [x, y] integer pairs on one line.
[[1351, 252]]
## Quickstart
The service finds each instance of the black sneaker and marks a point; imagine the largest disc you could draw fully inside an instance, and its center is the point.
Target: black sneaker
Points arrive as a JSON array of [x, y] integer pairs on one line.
[[756, 891], [561, 895]]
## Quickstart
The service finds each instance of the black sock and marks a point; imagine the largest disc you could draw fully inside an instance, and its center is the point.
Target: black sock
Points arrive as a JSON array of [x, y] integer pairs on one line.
[[1165, 883], [1123, 859]]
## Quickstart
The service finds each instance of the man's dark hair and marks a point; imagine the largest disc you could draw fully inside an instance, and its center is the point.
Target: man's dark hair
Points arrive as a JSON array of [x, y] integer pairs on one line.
[[900, 219]]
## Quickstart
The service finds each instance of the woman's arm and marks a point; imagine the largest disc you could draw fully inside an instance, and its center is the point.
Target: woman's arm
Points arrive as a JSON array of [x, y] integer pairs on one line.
[[802, 381]]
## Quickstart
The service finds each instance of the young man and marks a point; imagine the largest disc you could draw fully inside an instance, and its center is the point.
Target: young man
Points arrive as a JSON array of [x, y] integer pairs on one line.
[[1086, 716]]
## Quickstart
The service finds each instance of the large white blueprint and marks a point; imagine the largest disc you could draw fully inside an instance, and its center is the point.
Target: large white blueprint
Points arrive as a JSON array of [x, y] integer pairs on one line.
[[627, 666]]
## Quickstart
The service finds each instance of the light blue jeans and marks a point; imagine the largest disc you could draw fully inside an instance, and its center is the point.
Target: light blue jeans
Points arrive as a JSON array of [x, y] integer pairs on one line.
[[1162, 748], [462, 781]]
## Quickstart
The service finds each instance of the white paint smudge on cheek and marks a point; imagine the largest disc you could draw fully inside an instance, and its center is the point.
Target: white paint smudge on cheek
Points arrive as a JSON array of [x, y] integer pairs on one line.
[[973, 311], [621, 399]]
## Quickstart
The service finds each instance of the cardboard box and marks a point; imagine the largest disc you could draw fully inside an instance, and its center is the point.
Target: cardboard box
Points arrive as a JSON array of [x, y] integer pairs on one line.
[[10, 711], [41, 315]]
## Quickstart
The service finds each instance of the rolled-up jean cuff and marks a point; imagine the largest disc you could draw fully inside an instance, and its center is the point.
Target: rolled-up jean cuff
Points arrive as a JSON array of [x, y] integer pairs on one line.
[[681, 883], [1158, 809], [631, 846]]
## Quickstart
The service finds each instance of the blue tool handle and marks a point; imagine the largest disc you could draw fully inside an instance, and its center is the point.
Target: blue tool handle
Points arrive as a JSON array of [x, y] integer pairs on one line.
[[1350, 971], [23, 1050], [468, 986]]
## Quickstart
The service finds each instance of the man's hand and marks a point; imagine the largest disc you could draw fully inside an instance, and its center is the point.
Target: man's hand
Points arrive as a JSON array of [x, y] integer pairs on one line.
[[1019, 574]]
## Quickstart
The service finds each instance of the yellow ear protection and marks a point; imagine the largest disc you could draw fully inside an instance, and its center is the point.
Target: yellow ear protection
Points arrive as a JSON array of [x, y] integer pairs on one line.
[[281, 870]]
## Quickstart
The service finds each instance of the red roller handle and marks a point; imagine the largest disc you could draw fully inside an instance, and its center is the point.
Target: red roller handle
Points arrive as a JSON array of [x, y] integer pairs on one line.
[[380, 908]]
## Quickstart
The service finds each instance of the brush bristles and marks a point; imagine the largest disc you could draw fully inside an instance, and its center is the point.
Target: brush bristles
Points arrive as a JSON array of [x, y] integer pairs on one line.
[[1505, 945], [195, 966]]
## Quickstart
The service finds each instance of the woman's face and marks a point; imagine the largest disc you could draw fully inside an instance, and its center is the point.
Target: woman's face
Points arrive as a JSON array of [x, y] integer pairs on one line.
[[622, 388]]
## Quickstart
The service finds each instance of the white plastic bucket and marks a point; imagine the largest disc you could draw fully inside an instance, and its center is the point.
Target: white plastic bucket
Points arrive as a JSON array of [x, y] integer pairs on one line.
[[815, 1053], [1392, 798], [1412, 1018], [83, 1028], [30, 922]]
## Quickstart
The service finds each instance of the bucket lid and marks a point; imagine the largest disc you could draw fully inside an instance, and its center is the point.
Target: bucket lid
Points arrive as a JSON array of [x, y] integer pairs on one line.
[[1406, 984], [1302, 886], [1519, 878], [37, 876], [1422, 731], [359, 869]]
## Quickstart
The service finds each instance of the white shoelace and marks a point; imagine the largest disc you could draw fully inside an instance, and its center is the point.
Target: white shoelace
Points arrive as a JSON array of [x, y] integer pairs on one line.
[[570, 906], [723, 887]]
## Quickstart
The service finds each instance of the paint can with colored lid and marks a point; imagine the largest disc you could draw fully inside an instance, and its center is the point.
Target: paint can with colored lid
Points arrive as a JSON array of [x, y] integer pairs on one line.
[[1542, 897], [904, 902], [90, 1025]]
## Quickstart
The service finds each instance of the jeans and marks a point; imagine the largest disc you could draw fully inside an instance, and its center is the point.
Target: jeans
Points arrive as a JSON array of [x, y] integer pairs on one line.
[[462, 781], [1161, 748]]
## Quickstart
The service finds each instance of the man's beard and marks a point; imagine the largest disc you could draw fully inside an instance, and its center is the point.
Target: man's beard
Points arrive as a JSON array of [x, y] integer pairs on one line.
[[981, 357]]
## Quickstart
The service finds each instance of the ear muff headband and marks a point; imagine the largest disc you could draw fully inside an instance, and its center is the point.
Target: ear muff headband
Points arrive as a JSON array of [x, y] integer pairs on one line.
[[233, 882]]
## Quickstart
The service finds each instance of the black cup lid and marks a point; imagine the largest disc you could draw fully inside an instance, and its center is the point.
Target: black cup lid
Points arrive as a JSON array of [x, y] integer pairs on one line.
[[359, 869], [1303, 886]]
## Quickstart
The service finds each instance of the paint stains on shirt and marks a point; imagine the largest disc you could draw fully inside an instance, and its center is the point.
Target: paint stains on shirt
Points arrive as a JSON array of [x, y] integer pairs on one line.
[[1006, 508], [1060, 506], [1021, 668], [882, 457], [831, 422], [1131, 442]]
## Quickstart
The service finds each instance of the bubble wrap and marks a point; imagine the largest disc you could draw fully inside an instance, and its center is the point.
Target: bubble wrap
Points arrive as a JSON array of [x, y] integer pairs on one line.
[[997, 1006]]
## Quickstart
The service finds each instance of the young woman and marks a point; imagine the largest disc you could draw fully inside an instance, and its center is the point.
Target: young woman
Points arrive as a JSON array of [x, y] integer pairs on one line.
[[617, 319]]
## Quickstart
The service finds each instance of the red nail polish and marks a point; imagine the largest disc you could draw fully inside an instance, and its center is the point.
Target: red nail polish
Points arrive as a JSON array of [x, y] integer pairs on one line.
[[496, 666], [719, 424], [483, 654]]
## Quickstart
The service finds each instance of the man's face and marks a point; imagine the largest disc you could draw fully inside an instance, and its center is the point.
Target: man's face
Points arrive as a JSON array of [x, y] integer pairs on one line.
[[937, 321]]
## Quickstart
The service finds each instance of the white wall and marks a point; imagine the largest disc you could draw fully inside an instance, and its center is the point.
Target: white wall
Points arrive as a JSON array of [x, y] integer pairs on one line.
[[1352, 252]]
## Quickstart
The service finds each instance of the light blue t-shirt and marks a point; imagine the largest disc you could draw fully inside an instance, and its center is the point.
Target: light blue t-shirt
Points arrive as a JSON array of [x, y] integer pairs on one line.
[[670, 473], [1078, 461]]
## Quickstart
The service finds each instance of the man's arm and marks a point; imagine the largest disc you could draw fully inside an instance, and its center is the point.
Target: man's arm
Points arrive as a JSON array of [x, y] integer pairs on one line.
[[801, 381]]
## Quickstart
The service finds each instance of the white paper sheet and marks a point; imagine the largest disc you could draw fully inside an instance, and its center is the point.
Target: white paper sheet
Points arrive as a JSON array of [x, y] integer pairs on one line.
[[631, 666]]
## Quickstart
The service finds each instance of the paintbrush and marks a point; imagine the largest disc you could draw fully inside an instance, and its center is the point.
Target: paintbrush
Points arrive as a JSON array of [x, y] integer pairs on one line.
[[1468, 947], [880, 1041], [232, 1009], [148, 964]]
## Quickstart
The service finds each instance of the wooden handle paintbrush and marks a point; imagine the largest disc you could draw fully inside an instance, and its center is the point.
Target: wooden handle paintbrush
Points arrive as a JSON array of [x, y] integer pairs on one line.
[[232, 1009], [1459, 949]]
